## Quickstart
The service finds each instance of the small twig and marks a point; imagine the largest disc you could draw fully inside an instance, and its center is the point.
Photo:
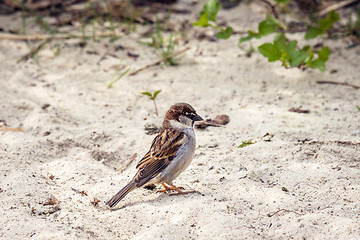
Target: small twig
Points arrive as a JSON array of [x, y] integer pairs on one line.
[[299, 110], [206, 123], [338, 83], [272, 8], [310, 142], [343, 30], [7, 129], [159, 61], [336, 6], [283, 210]]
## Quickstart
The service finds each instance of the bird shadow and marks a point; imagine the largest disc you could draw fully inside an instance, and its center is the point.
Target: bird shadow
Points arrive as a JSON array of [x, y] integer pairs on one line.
[[161, 199]]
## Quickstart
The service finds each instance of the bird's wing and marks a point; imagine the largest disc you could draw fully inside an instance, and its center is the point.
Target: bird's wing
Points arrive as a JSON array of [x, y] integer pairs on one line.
[[163, 149]]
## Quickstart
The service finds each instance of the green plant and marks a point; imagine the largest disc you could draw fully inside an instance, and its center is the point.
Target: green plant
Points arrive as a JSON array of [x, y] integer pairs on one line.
[[266, 27], [246, 143], [153, 97], [52, 33], [282, 1], [322, 26], [208, 19], [169, 50], [281, 49], [285, 51], [166, 46], [56, 48], [116, 77]]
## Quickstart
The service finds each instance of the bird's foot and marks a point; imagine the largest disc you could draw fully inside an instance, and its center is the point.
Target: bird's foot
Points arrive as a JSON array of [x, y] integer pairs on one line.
[[174, 188]]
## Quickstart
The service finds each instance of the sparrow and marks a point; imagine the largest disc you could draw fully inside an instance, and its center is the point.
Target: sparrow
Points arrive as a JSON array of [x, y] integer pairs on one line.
[[171, 152]]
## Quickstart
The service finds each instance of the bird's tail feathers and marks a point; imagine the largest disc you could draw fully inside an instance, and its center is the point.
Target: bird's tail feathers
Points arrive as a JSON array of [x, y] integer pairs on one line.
[[121, 194]]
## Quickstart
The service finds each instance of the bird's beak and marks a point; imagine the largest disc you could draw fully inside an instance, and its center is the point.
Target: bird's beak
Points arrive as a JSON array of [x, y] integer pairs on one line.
[[197, 118]]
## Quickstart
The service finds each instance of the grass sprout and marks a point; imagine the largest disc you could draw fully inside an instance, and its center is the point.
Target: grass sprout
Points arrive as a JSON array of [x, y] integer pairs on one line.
[[116, 77], [152, 97]]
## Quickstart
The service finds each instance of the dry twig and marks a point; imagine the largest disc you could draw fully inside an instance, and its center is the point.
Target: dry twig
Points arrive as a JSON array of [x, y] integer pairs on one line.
[[338, 83], [336, 6], [7, 129], [283, 210]]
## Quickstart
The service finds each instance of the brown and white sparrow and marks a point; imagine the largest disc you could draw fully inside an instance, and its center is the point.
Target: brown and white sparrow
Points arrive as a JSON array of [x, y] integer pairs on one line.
[[170, 153]]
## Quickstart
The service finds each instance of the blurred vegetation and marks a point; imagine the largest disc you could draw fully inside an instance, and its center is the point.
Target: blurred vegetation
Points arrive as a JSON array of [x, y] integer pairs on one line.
[[114, 19], [282, 48]]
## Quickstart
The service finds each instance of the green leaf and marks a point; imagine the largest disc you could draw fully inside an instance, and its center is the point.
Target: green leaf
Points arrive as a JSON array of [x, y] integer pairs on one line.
[[251, 35], [280, 42], [313, 32], [323, 25], [245, 143], [203, 21], [270, 51], [334, 16], [211, 8], [155, 94], [291, 46], [310, 52], [245, 39], [266, 27], [317, 63], [274, 21], [326, 23], [324, 54], [282, 1], [306, 48], [225, 34], [284, 58], [254, 34], [297, 57], [147, 94]]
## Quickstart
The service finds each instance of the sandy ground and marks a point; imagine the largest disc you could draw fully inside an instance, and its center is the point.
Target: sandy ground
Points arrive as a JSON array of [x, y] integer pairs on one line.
[[82, 140]]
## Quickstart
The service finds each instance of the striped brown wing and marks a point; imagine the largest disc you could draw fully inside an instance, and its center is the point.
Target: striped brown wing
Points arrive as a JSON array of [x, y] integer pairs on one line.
[[163, 149]]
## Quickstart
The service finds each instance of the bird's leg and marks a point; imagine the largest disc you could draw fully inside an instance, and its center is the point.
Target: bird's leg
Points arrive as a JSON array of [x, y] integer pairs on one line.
[[166, 188], [173, 187]]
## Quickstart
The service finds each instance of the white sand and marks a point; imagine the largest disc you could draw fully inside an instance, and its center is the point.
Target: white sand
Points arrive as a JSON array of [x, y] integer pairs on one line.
[[95, 130]]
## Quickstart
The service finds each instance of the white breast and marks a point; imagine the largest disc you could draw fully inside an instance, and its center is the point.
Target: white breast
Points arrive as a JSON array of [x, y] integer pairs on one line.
[[181, 161]]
